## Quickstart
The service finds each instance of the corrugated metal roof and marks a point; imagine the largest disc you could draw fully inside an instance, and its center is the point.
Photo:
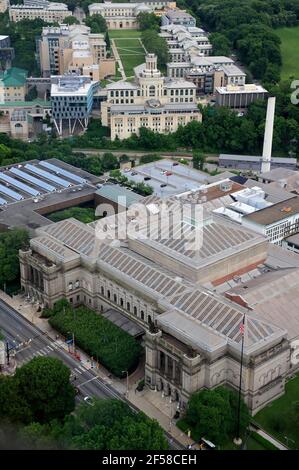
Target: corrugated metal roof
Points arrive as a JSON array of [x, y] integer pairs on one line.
[[114, 191]]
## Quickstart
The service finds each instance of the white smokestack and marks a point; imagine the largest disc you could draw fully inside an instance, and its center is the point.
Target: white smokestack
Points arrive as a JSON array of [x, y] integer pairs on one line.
[[268, 136]]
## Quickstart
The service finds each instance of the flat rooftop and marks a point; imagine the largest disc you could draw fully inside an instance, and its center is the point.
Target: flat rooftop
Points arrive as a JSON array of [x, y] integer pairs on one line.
[[182, 178], [275, 213]]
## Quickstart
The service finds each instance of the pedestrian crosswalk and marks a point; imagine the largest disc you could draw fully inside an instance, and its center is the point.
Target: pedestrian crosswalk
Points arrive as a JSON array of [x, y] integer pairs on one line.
[[79, 370], [41, 352]]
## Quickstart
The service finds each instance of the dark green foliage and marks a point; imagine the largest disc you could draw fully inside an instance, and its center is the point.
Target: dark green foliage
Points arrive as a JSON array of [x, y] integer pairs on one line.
[[157, 45], [97, 23], [83, 214], [107, 425], [140, 188], [198, 160], [10, 244], [100, 338], [39, 391], [44, 382], [149, 21], [71, 20], [22, 36], [212, 414], [149, 158], [221, 44], [247, 26]]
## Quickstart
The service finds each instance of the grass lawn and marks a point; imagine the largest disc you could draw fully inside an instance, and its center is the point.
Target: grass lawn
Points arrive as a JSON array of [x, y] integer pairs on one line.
[[83, 214], [289, 51], [278, 418], [124, 33], [131, 53]]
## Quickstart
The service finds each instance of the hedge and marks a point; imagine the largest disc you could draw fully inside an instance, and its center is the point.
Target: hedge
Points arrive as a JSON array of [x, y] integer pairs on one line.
[[110, 345]]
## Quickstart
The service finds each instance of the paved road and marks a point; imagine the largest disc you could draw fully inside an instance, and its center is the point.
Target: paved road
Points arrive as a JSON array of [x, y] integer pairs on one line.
[[18, 329]]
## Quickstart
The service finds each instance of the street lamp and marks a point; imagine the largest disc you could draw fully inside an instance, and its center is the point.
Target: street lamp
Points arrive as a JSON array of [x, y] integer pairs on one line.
[[126, 372]]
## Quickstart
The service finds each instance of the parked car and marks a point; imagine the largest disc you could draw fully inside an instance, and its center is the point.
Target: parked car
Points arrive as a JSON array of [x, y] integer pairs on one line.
[[88, 400], [146, 178], [163, 185]]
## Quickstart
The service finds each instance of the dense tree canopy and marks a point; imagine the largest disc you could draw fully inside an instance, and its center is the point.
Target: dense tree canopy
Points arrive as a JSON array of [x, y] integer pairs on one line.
[[212, 414], [22, 36], [10, 244], [97, 23], [107, 425], [248, 26], [39, 391], [149, 21], [155, 44]]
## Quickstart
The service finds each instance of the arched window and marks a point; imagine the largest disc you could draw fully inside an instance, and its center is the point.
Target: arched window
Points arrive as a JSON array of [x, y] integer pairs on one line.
[[102, 290], [135, 310], [152, 90], [142, 315], [115, 298], [122, 302], [128, 306], [108, 294], [149, 319]]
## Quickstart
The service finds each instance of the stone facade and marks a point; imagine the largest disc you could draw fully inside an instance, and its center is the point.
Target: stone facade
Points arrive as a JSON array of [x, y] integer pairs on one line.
[[193, 338], [151, 101]]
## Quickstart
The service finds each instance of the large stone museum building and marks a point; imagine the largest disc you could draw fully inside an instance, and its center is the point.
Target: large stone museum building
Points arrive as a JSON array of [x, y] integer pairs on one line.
[[172, 290]]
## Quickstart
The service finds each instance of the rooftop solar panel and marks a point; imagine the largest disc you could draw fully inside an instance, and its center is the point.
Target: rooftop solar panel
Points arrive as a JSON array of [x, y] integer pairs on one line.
[[19, 185], [10, 193], [2, 201], [63, 172], [48, 176], [33, 180]]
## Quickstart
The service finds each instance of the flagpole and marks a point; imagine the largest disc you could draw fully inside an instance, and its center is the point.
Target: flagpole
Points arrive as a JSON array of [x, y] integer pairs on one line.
[[238, 439]]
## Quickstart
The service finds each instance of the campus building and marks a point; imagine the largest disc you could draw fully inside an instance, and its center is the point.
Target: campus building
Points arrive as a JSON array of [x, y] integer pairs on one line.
[[151, 101], [74, 49], [175, 293], [13, 85], [185, 41], [23, 119], [120, 15], [238, 96], [7, 53], [50, 12], [72, 101], [207, 73], [176, 16]]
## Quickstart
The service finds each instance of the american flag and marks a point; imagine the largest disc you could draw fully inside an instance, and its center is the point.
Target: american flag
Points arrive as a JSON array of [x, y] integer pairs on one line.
[[242, 328]]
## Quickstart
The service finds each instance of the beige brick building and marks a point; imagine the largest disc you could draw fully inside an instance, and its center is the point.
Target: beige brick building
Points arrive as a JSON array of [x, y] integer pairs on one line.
[[50, 12], [150, 101], [73, 49]]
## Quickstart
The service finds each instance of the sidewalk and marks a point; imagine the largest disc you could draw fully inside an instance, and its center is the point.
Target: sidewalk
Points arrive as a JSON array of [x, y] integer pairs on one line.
[[148, 401]]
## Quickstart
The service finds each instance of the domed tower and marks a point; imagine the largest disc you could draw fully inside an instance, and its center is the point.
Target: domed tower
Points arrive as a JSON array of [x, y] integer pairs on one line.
[[151, 69]]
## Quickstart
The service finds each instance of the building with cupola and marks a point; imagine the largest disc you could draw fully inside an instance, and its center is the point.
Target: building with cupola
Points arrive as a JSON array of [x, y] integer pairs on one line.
[[151, 101]]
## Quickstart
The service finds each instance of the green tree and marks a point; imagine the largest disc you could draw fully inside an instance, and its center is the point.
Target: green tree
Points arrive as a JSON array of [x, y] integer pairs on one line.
[[156, 45], [198, 160], [212, 414], [13, 406], [44, 381], [148, 21], [71, 20], [99, 427], [109, 161], [97, 23], [221, 44], [10, 244]]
